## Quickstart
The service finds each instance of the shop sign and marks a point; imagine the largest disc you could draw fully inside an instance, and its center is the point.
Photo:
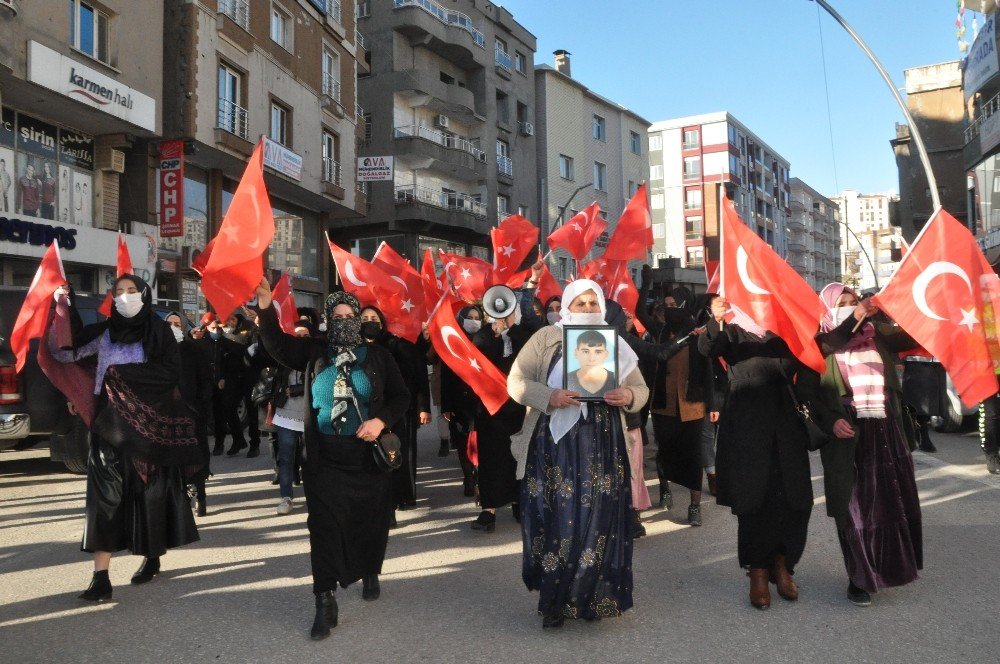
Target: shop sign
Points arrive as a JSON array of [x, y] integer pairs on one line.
[[171, 178], [20, 231], [75, 80], [281, 159], [76, 149], [7, 128], [374, 169], [36, 137], [982, 64]]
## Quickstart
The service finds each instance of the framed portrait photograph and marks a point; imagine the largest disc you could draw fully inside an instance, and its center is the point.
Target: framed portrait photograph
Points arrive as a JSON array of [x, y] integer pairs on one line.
[[590, 360]]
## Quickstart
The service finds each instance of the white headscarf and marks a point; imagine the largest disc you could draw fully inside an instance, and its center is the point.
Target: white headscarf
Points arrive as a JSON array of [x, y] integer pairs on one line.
[[562, 419]]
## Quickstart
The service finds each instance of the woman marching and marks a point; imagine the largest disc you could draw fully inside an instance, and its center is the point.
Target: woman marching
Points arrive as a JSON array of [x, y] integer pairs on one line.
[[871, 491], [143, 437], [576, 498], [354, 392]]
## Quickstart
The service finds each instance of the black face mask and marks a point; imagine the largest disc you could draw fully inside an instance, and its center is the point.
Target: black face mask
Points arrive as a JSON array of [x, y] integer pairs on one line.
[[678, 320], [370, 329]]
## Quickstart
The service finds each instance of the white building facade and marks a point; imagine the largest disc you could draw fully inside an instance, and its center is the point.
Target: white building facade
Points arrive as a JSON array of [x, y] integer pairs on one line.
[[869, 244], [813, 236]]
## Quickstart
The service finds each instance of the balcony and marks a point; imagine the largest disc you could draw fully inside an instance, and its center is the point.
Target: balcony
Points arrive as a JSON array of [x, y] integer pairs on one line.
[[233, 118], [505, 167], [334, 11], [359, 41], [332, 179], [985, 111], [432, 26], [795, 224], [238, 11], [442, 152], [504, 63], [446, 209], [424, 89], [331, 87], [796, 246]]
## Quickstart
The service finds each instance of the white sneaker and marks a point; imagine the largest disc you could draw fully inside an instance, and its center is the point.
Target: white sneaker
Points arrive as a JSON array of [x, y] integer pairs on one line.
[[285, 506]]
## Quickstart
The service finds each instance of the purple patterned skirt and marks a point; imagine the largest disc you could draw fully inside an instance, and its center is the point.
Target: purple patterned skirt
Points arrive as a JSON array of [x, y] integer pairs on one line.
[[882, 539]]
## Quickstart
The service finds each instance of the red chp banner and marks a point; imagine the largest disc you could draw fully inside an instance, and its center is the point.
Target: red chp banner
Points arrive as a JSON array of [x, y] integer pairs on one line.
[[172, 188]]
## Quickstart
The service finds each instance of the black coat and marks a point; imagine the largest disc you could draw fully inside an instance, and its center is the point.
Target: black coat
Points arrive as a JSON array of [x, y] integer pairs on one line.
[[758, 420], [389, 396], [412, 361]]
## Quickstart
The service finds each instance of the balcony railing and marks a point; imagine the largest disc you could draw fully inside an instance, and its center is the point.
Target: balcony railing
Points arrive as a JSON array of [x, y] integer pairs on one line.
[[363, 187], [410, 193], [446, 16], [238, 10], [985, 111], [447, 140], [334, 11], [359, 40], [331, 171], [503, 59], [331, 87], [505, 166], [233, 118], [360, 112]]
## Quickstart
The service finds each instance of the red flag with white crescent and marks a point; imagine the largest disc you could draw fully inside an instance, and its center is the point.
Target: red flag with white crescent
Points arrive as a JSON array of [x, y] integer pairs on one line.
[[513, 241], [468, 275], [633, 236], [34, 313], [123, 265], [284, 302], [578, 234]]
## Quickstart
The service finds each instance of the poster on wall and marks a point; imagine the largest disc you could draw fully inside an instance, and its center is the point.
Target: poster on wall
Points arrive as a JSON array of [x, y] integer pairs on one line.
[[7, 190], [35, 187], [76, 149], [36, 137]]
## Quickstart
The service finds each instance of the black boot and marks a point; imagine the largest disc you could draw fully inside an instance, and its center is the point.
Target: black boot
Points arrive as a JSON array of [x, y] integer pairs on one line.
[[638, 530], [219, 448], [254, 451], [99, 589], [486, 522], [149, 568], [326, 615], [236, 447], [445, 448], [200, 493], [552, 621], [370, 589]]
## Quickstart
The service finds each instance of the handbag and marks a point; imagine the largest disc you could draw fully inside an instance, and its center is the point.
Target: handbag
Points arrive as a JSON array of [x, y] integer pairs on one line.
[[387, 451], [817, 438], [265, 386]]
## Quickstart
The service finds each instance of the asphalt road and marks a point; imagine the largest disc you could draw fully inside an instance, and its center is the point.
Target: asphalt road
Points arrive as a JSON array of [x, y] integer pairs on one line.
[[451, 595]]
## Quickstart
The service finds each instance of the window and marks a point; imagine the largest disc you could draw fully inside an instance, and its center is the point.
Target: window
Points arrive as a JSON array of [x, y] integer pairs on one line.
[[692, 199], [634, 142], [600, 176], [656, 201], [566, 167], [732, 135], [632, 188], [695, 256], [503, 205], [692, 167], [364, 9], [279, 124], [599, 130], [690, 138], [232, 116], [88, 30], [503, 108], [520, 63], [656, 172], [280, 28], [523, 210], [693, 227], [656, 142], [331, 158], [659, 231], [505, 166], [331, 74]]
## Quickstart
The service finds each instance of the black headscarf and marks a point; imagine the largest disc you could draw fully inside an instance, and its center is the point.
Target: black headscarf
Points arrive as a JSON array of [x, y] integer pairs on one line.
[[342, 333], [383, 333], [680, 319], [130, 330]]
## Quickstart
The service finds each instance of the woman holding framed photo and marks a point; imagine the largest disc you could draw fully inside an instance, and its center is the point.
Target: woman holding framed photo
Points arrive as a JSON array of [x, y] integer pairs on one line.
[[572, 453]]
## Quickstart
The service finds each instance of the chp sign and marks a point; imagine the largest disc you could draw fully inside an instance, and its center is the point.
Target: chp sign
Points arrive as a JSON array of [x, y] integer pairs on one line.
[[172, 188]]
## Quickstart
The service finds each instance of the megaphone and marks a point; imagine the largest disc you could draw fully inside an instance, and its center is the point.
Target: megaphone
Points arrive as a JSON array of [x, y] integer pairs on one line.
[[499, 301]]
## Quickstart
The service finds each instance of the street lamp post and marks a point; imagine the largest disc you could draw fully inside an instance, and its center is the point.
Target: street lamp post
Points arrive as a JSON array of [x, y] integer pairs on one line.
[[861, 246]]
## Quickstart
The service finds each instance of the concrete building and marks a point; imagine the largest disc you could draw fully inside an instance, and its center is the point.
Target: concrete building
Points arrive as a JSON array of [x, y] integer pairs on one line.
[[285, 70], [870, 246], [589, 149], [690, 159], [451, 99], [934, 99], [813, 235], [81, 90]]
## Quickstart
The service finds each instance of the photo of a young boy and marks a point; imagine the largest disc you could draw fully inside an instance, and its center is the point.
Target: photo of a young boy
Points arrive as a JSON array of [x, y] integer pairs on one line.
[[591, 364]]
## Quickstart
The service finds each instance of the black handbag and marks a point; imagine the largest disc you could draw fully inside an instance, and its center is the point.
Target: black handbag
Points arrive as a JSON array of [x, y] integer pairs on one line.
[[817, 437], [387, 451]]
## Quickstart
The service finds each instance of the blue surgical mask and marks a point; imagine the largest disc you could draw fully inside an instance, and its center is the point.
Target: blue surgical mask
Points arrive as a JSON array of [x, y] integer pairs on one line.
[[215, 335]]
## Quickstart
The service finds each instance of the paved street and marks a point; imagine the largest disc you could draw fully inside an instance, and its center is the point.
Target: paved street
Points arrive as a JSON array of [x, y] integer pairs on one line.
[[448, 595]]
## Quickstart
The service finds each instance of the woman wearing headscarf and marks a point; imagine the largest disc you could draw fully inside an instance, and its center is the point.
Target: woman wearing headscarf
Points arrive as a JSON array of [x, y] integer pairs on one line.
[[762, 458], [576, 497], [354, 392], [459, 403], [143, 436], [871, 491]]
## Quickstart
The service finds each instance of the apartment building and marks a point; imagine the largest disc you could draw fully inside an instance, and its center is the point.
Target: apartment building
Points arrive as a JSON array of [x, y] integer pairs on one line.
[[813, 238], [81, 89], [282, 71], [450, 101], [870, 246], [589, 149], [690, 159]]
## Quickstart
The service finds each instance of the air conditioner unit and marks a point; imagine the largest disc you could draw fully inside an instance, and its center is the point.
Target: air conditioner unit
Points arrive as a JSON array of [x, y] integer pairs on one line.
[[527, 129], [109, 159], [441, 121]]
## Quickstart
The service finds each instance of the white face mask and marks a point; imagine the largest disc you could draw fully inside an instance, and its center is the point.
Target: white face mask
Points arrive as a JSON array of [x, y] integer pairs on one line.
[[228, 330], [576, 318], [178, 333], [471, 326], [128, 304], [552, 317], [840, 314]]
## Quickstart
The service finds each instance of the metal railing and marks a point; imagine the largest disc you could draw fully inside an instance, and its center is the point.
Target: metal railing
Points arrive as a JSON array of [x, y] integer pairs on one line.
[[331, 171], [446, 140], [233, 118], [505, 165], [986, 110], [410, 193], [359, 40], [446, 16], [363, 187], [334, 11], [238, 10], [331, 87], [360, 112], [503, 59]]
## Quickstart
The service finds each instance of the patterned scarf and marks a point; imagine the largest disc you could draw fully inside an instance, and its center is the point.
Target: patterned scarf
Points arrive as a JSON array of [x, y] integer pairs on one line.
[[859, 361], [343, 336]]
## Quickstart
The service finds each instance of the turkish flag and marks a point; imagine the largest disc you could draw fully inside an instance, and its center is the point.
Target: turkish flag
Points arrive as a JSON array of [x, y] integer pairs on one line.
[[235, 263], [633, 235], [945, 295], [284, 302], [513, 241], [712, 275], [368, 282], [548, 287], [432, 283], [34, 314], [461, 355], [405, 311], [621, 289], [578, 235], [600, 270], [468, 276], [759, 282], [123, 266]]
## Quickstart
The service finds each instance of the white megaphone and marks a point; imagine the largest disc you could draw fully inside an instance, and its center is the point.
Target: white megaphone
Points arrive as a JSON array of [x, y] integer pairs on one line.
[[499, 301]]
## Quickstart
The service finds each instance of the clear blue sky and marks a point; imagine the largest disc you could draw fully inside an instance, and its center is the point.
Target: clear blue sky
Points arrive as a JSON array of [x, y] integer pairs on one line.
[[760, 60]]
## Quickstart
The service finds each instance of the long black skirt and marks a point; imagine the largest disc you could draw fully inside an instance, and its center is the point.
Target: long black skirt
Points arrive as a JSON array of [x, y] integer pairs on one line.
[[350, 506], [126, 512], [404, 478], [678, 450], [497, 473]]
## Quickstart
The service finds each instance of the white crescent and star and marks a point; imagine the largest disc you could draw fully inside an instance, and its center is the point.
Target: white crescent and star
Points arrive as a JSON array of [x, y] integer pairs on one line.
[[447, 332], [741, 269], [407, 305], [923, 282], [401, 282], [507, 250], [351, 277], [618, 291]]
